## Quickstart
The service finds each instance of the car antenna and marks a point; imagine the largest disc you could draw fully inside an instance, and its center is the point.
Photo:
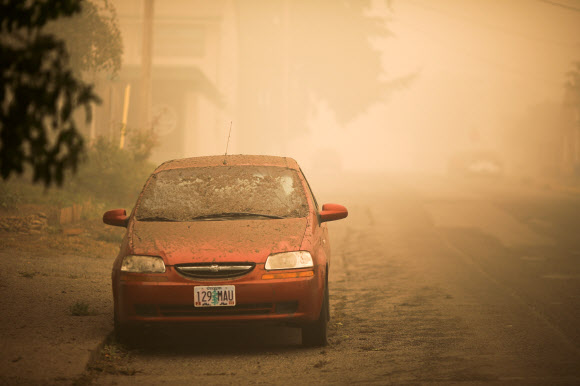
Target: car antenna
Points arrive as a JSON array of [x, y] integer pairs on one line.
[[227, 144]]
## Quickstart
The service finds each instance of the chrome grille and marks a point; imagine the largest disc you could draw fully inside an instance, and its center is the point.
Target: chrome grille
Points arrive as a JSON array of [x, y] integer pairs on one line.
[[213, 270]]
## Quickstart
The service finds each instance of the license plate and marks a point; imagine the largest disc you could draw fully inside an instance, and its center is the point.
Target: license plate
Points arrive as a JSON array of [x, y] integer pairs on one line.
[[214, 296]]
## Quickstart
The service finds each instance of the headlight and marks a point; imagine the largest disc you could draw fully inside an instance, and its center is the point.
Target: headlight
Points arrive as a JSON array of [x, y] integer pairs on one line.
[[289, 260], [143, 264]]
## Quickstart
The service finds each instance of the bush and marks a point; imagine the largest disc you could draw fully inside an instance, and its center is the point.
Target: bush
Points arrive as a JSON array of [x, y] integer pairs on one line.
[[9, 198], [108, 178], [18, 191], [112, 175], [80, 309]]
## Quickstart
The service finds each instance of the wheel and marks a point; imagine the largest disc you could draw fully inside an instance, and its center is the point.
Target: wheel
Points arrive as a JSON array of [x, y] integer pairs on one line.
[[126, 334], [121, 332], [314, 334]]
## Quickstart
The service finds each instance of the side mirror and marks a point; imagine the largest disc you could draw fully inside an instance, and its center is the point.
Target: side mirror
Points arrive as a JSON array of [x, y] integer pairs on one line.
[[116, 217], [331, 212]]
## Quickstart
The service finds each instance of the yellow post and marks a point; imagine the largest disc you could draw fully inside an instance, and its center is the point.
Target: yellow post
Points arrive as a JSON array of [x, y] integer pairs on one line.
[[125, 112]]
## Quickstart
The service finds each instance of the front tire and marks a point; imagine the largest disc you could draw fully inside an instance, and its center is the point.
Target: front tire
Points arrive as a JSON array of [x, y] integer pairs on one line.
[[121, 331], [126, 334], [315, 334]]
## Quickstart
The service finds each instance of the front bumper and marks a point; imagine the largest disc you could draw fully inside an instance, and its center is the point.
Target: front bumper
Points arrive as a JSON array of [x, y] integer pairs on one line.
[[169, 297]]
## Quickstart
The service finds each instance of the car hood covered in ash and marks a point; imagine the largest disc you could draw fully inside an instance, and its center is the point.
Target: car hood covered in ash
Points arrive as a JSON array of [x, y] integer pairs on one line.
[[215, 241]]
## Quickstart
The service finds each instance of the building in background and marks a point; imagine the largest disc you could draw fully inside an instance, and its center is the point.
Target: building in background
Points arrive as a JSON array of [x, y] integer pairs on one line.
[[214, 64], [193, 76], [260, 66]]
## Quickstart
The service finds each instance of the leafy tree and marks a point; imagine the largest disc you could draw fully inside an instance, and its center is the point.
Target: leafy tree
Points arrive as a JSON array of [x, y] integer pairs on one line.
[[98, 48], [332, 54], [39, 91]]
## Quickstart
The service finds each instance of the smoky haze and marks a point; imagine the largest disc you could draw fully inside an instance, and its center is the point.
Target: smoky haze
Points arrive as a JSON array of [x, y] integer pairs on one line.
[[446, 130], [358, 85]]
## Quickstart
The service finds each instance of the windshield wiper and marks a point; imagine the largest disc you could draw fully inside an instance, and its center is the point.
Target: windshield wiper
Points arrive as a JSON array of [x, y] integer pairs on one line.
[[157, 218], [234, 214]]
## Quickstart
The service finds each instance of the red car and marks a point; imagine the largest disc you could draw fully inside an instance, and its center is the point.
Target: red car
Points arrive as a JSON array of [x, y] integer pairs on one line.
[[224, 239]]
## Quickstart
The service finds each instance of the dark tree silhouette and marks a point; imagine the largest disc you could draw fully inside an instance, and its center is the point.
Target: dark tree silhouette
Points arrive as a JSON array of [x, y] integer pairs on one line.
[[295, 51], [93, 39], [333, 57], [38, 92]]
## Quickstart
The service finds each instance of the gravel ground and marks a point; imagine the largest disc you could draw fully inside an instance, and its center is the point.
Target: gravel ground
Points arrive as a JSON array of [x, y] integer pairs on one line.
[[412, 302], [56, 301]]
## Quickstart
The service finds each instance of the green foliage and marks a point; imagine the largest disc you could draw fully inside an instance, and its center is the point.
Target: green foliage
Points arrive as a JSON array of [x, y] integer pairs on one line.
[[110, 236], [113, 359], [92, 37], [112, 175], [141, 143], [109, 177], [80, 309], [39, 93], [19, 191], [27, 274], [9, 198]]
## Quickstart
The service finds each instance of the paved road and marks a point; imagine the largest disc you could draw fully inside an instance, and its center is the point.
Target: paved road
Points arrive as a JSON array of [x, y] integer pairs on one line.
[[431, 281]]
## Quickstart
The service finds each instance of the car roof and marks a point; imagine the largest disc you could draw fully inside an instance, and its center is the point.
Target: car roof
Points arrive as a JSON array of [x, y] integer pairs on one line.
[[230, 160]]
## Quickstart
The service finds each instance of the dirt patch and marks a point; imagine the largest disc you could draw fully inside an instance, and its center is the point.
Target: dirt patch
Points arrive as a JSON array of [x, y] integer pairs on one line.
[[390, 324], [56, 300]]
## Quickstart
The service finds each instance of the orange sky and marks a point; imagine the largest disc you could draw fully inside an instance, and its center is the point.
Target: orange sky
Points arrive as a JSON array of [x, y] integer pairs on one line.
[[479, 64]]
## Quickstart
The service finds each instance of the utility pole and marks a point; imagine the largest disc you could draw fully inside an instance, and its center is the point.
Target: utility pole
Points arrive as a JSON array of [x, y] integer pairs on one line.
[[286, 76], [146, 65]]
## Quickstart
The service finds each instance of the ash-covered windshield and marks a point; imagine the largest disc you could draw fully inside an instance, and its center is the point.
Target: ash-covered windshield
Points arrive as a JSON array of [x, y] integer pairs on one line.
[[209, 192]]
